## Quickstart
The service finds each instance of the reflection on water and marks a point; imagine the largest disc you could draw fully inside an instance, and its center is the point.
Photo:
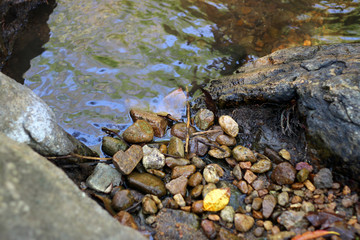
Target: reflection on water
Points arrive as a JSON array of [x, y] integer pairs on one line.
[[106, 56]]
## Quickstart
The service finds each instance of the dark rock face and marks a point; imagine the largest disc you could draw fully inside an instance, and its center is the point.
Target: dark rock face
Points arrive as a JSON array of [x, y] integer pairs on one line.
[[320, 83]]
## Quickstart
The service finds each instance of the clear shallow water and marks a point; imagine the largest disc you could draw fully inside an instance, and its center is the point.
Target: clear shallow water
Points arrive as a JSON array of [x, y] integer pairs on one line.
[[107, 56]]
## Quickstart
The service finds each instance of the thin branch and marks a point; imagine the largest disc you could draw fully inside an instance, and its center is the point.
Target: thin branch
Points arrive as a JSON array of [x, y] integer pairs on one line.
[[79, 156], [187, 122], [206, 132]]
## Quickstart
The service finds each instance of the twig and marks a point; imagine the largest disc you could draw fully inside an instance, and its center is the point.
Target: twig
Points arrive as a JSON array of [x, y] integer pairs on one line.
[[79, 156], [187, 122], [169, 155], [205, 132], [210, 144]]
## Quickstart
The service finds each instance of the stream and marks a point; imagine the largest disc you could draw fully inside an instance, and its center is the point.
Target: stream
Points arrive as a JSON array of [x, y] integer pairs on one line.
[[104, 57]]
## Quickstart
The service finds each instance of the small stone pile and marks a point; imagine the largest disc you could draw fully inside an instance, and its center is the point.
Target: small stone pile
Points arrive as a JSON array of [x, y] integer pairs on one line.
[[166, 185]]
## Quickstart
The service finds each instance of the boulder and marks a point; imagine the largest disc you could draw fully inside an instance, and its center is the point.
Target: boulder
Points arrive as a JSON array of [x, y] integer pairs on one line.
[[25, 118], [38, 201], [319, 84]]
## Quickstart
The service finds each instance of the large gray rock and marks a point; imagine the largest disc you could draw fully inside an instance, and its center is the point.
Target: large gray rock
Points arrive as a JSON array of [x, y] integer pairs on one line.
[[25, 118], [324, 81], [38, 201]]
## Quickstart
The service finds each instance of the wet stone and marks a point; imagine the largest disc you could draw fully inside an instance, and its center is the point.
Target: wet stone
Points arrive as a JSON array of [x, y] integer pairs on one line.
[[323, 179], [261, 166], [225, 234], [210, 174], [204, 119], [102, 177], [179, 199], [243, 187], [183, 171], [149, 205], [197, 147], [209, 228], [241, 153], [302, 165], [260, 183], [243, 223], [227, 214], [125, 162], [283, 198], [208, 188], [284, 173], [217, 131], [257, 203], [229, 125], [249, 176], [157, 123], [285, 154], [219, 154], [302, 175], [147, 183], [307, 207], [236, 197], [111, 145], [179, 130], [226, 140], [237, 172], [195, 179], [176, 147], [268, 205], [169, 203], [196, 191], [258, 232], [139, 132], [152, 158], [292, 219], [198, 162], [197, 207], [177, 185], [173, 162], [122, 200], [126, 219]]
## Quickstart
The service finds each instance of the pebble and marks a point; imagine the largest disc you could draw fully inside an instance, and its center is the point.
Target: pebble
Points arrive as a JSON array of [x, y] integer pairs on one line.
[[302, 175], [195, 179], [245, 165], [208, 188], [147, 183], [282, 235], [307, 207], [125, 162], [268, 205], [229, 125], [218, 131], [122, 200], [346, 190], [183, 171], [226, 140], [198, 162], [237, 172], [173, 162], [302, 165], [198, 148], [197, 207], [149, 206], [227, 214], [210, 174], [296, 199], [243, 223], [268, 225], [297, 185], [283, 198], [150, 220], [285, 154], [241, 153], [152, 158], [103, 177], [323, 179], [139, 132], [112, 145], [257, 203], [283, 173], [156, 172], [209, 228], [258, 232], [126, 219], [157, 123], [196, 191], [309, 185], [249, 176], [260, 183], [243, 187], [170, 203], [179, 130], [176, 147], [293, 219], [261, 166], [219, 154], [225, 234], [204, 119], [177, 185], [179, 200], [163, 148]]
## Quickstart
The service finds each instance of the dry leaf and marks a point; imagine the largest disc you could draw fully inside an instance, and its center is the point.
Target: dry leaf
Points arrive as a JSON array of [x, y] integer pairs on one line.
[[313, 235], [217, 199]]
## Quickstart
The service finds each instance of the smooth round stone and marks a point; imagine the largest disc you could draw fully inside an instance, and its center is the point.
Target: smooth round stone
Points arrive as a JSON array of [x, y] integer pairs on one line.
[[197, 147], [177, 185], [147, 183], [243, 223], [208, 188], [149, 206], [195, 179], [197, 207], [243, 187], [227, 214], [185, 171], [217, 153], [173, 162], [258, 232], [261, 166], [198, 162], [243, 154], [283, 198], [209, 228], [152, 158], [237, 172], [268, 205], [323, 179], [211, 174], [285, 154], [293, 219], [196, 191], [256, 204], [229, 125], [226, 140], [111, 145], [179, 199], [139, 132], [179, 130], [302, 175], [163, 148], [204, 119], [176, 147], [122, 200], [284, 173]]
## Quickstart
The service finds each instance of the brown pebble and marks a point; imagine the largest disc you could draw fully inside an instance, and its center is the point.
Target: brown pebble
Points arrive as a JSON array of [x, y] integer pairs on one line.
[[245, 165], [243, 186], [213, 217], [258, 232], [268, 225], [183, 171], [209, 228], [126, 219], [232, 162], [186, 208], [163, 148], [195, 179], [249, 176], [197, 207], [309, 185], [196, 191], [226, 140], [257, 214], [346, 190], [263, 192], [296, 199], [243, 223], [257, 203], [297, 186]]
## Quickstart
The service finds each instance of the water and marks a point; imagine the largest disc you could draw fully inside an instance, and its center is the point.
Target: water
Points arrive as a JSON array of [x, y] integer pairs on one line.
[[105, 57]]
